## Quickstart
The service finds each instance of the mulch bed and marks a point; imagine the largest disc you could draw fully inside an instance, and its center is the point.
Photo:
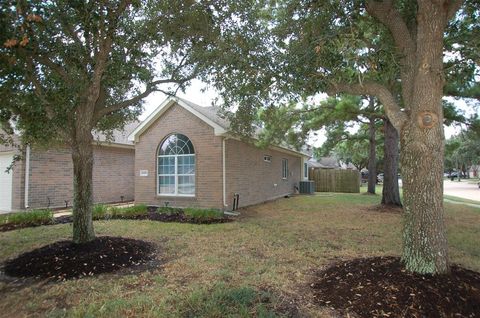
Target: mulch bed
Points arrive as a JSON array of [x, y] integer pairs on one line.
[[381, 287], [182, 218], [65, 260], [179, 217], [10, 226]]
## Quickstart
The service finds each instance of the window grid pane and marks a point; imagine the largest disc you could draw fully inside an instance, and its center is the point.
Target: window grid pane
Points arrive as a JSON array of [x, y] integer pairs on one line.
[[176, 166]]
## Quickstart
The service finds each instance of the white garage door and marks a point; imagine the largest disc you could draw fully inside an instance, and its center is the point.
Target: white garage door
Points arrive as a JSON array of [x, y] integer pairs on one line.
[[5, 183]]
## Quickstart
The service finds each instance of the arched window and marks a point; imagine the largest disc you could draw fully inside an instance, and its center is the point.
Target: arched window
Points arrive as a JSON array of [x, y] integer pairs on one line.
[[176, 166]]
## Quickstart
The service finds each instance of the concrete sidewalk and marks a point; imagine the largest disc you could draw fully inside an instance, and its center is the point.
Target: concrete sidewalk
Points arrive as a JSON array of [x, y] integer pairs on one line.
[[462, 189]]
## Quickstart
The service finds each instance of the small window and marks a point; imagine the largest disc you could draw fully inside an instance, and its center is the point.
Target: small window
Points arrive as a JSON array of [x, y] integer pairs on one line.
[[284, 168], [305, 170], [267, 158]]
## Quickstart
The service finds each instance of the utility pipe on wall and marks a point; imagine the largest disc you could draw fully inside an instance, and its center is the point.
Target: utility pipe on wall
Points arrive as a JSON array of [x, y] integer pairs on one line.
[[27, 174]]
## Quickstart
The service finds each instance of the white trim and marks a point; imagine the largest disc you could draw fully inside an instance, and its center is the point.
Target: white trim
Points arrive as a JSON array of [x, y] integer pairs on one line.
[[284, 169], [113, 145], [171, 195], [175, 173], [6, 180], [273, 147], [224, 170], [164, 106], [27, 175], [305, 169]]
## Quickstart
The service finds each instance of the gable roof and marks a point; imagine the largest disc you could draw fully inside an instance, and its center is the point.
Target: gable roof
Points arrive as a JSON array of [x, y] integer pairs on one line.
[[209, 115], [206, 114]]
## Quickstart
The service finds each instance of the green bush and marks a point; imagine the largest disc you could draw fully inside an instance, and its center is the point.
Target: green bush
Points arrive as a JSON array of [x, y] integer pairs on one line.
[[203, 213], [129, 212], [168, 210], [100, 212], [33, 217]]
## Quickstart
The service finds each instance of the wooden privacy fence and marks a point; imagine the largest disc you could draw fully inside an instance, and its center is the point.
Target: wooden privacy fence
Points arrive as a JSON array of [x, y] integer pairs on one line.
[[332, 180]]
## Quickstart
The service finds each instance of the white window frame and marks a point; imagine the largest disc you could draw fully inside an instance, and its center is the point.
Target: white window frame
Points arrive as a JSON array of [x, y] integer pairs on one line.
[[284, 168], [175, 175], [267, 158], [305, 171]]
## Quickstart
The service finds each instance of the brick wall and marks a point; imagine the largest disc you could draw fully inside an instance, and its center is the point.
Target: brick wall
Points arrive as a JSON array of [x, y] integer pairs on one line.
[[51, 176], [208, 155], [254, 179], [113, 174]]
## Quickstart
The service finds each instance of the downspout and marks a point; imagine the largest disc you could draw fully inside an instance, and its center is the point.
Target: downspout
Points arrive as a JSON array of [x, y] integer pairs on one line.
[[224, 181], [27, 174], [224, 169]]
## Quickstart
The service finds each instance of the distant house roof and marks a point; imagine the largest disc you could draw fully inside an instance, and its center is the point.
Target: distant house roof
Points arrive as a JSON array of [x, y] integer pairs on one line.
[[324, 163], [118, 136], [210, 115]]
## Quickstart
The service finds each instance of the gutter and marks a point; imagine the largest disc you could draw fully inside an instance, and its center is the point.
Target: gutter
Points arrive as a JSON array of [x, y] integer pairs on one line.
[[27, 175]]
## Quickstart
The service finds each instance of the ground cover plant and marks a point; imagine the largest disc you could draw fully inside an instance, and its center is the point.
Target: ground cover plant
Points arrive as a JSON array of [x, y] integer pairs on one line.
[[272, 254], [28, 218], [103, 212]]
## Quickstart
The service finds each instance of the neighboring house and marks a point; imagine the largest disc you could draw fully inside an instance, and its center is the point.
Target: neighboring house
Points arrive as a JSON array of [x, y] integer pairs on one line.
[[186, 156], [44, 177], [324, 163]]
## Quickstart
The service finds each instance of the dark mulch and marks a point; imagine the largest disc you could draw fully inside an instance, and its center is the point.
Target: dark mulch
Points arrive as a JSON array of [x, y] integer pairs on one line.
[[182, 218], [65, 260], [11, 226], [380, 287]]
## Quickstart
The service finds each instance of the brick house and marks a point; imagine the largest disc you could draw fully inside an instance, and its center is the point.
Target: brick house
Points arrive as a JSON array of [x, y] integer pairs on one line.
[[44, 177], [186, 156]]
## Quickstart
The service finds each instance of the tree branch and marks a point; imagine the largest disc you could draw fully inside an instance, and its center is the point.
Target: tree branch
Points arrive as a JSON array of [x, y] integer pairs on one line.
[[394, 113], [32, 77], [453, 7], [404, 41], [151, 87], [105, 46], [391, 18]]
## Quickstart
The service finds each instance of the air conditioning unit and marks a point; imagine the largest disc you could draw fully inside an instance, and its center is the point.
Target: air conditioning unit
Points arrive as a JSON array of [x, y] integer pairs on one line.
[[307, 187]]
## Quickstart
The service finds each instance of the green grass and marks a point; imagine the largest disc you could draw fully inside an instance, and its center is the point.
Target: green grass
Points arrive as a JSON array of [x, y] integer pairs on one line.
[[252, 267], [33, 217], [462, 200], [197, 213]]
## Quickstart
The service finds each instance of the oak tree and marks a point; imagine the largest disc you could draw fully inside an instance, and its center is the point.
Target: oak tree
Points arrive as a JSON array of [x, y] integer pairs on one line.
[[71, 67]]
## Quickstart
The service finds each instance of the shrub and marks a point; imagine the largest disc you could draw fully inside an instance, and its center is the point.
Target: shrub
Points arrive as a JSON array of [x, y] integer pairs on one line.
[[129, 212], [203, 213], [100, 212], [33, 217], [168, 210]]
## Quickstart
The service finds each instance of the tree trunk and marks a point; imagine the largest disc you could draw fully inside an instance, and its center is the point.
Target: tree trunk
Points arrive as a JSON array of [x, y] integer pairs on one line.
[[391, 192], [82, 156], [422, 144], [372, 156]]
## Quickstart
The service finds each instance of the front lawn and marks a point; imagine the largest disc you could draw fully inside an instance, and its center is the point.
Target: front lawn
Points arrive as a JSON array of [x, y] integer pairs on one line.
[[260, 265]]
